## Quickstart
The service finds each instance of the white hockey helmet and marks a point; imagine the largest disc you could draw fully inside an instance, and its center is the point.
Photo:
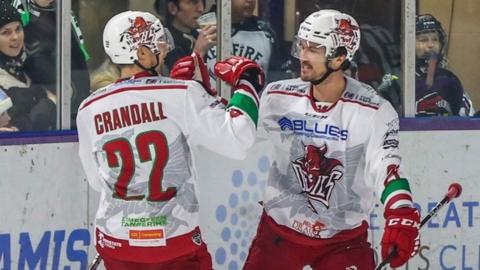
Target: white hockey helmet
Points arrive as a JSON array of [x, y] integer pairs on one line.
[[127, 31], [331, 29]]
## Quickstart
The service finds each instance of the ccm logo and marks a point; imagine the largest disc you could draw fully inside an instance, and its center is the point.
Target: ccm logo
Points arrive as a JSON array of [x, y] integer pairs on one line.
[[403, 222]]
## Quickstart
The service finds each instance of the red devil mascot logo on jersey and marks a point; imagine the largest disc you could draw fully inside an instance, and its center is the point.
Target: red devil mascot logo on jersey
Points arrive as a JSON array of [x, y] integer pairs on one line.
[[317, 174]]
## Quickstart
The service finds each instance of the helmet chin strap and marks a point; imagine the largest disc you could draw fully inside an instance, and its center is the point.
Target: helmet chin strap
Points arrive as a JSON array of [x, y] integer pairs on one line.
[[329, 71], [151, 70]]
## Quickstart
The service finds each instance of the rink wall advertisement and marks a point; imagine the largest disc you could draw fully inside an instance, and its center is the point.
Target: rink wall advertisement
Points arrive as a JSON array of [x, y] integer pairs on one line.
[[47, 208]]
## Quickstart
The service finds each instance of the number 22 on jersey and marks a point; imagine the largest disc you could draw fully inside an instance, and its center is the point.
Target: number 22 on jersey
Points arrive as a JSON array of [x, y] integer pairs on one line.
[[143, 143]]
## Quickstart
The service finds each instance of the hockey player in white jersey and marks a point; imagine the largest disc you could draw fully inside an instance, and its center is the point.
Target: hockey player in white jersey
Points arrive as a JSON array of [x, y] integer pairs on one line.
[[335, 145], [135, 137]]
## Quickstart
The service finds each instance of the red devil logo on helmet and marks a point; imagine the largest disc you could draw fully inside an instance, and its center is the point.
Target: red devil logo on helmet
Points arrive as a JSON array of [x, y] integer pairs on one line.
[[140, 32], [345, 27], [139, 26], [317, 173], [346, 32]]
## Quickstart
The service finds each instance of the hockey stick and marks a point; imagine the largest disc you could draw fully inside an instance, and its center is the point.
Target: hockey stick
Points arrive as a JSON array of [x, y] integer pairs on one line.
[[454, 191], [431, 69], [95, 263]]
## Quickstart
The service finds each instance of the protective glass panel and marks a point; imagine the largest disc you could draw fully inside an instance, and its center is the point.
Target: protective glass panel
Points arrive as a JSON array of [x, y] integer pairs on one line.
[[28, 72], [446, 82], [379, 21]]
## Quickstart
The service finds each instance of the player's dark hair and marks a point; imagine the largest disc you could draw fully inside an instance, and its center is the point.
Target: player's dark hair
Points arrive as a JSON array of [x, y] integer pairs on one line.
[[342, 51]]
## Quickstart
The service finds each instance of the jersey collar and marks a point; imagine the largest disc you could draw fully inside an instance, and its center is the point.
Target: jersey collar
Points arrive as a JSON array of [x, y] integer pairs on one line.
[[141, 74], [320, 108]]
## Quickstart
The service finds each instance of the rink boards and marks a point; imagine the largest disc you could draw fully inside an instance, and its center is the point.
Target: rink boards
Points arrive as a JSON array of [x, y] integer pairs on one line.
[[47, 207]]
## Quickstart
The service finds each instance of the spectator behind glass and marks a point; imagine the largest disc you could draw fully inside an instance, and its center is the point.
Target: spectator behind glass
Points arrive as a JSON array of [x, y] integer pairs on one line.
[[39, 20], [32, 109], [438, 92], [251, 37], [104, 75], [181, 16], [5, 104]]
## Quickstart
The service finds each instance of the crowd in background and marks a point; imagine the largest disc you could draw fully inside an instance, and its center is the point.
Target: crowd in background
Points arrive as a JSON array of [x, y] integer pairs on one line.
[[28, 51]]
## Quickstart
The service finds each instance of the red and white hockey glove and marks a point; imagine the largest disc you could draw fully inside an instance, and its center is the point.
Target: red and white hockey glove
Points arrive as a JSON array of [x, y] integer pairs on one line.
[[401, 234], [232, 69], [192, 67]]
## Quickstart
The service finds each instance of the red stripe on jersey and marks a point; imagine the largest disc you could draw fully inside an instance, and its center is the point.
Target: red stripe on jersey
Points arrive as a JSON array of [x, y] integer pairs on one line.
[[248, 89], [120, 90], [287, 94], [396, 198], [359, 103], [312, 100]]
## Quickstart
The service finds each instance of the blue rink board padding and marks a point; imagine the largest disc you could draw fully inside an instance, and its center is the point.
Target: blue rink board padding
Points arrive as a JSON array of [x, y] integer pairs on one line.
[[406, 124]]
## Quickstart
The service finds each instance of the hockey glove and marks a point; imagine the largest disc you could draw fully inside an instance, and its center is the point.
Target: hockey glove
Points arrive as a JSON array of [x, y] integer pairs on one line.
[[401, 234], [232, 69], [192, 67]]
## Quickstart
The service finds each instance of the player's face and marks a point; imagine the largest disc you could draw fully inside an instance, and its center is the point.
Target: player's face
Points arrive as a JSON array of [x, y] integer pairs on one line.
[[242, 9], [312, 61], [11, 39], [188, 13], [149, 59], [427, 43], [160, 57]]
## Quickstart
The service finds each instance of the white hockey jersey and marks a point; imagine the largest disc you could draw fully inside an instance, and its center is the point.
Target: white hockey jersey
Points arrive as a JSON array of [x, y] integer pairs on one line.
[[134, 144], [328, 161]]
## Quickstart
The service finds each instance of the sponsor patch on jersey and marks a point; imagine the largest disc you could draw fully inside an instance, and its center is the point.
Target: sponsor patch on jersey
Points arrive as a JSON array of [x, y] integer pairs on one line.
[[151, 81], [308, 228], [167, 80], [147, 236], [390, 138], [289, 88], [319, 116], [106, 242], [197, 238], [313, 128], [144, 222], [367, 100]]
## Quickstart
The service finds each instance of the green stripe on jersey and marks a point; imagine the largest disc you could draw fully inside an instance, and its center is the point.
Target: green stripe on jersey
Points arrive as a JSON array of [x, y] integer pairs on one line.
[[246, 104], [394, 185]]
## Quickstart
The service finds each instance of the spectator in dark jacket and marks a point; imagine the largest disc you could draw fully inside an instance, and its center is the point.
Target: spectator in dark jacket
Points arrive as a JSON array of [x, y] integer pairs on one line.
[[39, 21], [32, 108]]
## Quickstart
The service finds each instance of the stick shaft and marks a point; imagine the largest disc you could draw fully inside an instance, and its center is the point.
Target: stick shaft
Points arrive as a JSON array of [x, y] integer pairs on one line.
[[95, 262], [434, 211]]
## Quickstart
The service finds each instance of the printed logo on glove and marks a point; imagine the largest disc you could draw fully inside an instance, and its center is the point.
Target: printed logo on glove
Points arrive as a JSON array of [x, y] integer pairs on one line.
[[401, 235], [232, 69]]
